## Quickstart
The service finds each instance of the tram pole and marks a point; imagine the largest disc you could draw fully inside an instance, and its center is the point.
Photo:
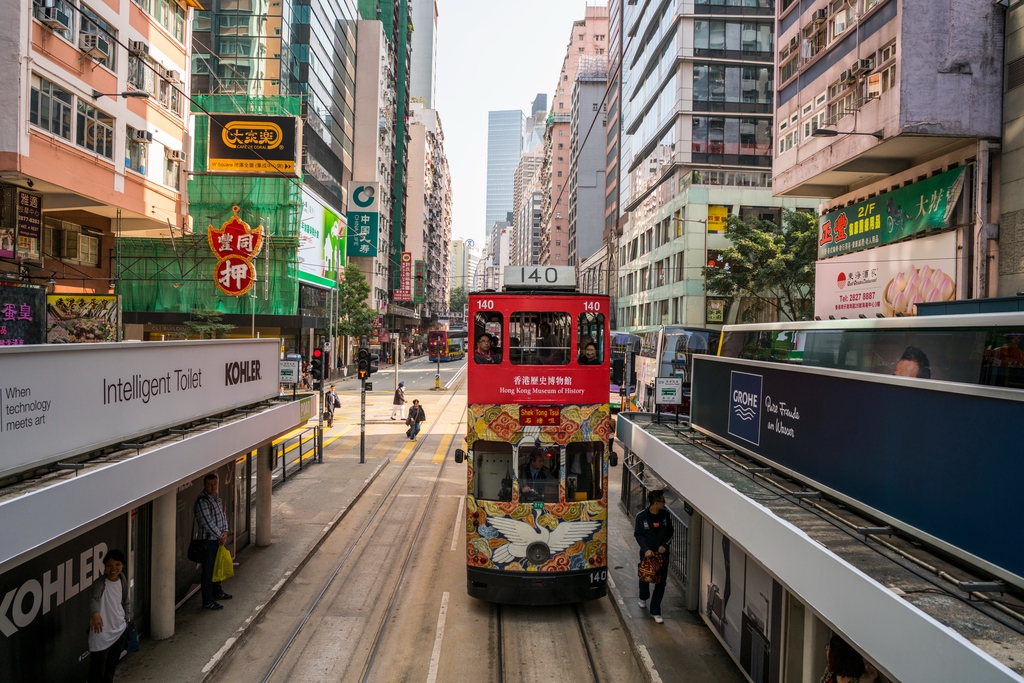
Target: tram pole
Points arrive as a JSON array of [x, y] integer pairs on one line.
[[437, 377], [362, 421]]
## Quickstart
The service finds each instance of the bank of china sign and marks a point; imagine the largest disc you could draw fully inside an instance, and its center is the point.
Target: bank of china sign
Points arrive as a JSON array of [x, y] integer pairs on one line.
[[121, 391]]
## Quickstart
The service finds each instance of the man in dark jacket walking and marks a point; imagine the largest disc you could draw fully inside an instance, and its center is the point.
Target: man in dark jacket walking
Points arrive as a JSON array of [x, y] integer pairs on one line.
[[653, 532], [331, 402], [416, 416], [398, 404]]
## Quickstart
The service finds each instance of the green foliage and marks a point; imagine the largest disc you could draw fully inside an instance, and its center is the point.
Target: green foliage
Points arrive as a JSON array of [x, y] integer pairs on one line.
[[459, 298], [770, 263], [355, 317], [206, 324]]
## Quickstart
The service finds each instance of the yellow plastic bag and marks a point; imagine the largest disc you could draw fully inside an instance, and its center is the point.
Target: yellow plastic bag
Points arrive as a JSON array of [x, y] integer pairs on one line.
[[222, 567]]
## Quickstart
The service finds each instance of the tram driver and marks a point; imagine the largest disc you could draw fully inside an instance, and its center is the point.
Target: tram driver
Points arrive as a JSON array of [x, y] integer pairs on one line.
[[534, 477]]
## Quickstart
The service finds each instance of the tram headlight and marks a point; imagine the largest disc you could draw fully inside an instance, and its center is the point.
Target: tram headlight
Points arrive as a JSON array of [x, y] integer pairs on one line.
[[538, 552]]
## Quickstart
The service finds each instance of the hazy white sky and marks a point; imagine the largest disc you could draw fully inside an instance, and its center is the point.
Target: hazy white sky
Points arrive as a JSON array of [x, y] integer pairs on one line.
[[492, 54]]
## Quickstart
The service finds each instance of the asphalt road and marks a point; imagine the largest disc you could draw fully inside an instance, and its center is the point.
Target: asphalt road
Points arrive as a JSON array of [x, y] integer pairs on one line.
[[418, 375]]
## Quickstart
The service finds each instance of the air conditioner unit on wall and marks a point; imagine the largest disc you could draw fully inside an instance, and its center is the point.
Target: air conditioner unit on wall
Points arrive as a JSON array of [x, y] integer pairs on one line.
[[93, 45], [820, 15], [847, 77], [138, 47], [53, 18], [142, 136], [862, 66], [175, 155], [793, 42], [172, 76]]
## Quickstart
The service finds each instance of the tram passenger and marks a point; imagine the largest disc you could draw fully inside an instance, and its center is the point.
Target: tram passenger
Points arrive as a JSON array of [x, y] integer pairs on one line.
[[589, 355], [483, 353], [653, 532], [534, 477], [551, 354]]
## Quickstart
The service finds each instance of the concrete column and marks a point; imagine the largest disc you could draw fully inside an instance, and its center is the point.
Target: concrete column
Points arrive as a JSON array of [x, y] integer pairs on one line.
[[161, 594], [693, 550], [816, 635], [264, 465]]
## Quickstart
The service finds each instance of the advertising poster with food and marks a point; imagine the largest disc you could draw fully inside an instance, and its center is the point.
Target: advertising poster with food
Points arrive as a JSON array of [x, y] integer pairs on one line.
[[887, 280], [76, 319]]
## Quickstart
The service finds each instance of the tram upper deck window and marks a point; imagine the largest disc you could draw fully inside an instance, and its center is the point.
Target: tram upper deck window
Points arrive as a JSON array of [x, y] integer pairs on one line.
[[493, 471], [584, 470], [539, 472], [540, 338], [487, 338], [591, 339]]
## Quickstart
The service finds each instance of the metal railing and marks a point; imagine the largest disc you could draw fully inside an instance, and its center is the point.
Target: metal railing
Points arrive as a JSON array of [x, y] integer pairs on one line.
[[291, 455], [633, 497]]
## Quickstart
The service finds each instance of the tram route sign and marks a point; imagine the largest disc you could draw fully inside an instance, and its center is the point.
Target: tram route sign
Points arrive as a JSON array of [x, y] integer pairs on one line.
[[668, 391], [830, 429], [540, 277], [289, 371], [533, 416]]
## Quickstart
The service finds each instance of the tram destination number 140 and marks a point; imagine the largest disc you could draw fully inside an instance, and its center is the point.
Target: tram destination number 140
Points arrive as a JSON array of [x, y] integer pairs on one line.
[[546, 276]]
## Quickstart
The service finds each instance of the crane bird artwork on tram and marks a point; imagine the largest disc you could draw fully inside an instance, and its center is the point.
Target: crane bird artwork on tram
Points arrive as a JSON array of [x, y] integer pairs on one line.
[[538, 429]]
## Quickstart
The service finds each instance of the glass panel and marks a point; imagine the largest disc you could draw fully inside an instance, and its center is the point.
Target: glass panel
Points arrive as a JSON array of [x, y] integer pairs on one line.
[[1003, 363], [591, 339], [701, 34], [539, 471], [540, 338], [584, 470], [487, 338], [492, 470]]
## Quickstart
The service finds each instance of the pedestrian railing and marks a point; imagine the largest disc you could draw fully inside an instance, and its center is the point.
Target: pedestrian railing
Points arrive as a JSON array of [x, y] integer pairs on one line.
[[633, 496], [291, 455]]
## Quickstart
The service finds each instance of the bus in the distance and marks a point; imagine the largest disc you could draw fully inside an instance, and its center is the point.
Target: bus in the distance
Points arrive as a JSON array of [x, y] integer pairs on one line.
[[538, 426], [446, 345], [667, 351]]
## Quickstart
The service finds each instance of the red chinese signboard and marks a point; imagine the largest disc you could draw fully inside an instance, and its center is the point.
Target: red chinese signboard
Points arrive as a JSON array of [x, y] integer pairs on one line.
[[534, 415], [235, 245], [404, 292]]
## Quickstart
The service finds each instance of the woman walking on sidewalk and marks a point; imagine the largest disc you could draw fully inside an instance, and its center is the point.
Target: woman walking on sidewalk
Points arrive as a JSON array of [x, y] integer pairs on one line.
[[416, 416], [653, 532], [398, 405]]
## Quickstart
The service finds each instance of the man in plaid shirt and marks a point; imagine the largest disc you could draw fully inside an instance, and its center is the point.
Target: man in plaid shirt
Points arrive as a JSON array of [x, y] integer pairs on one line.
[[213, 531]]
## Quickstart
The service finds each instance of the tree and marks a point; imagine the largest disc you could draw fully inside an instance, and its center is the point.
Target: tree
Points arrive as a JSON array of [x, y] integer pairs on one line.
[[770, 263], [355, 315], [206, 323], [458, 300]]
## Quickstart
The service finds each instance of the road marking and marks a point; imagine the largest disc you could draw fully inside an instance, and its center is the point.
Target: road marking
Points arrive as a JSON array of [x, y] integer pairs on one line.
[[435, 656], [645, 657], [458, 522], [406, 450], [442, 449], [452, 381], [615, 591], [334, 437]]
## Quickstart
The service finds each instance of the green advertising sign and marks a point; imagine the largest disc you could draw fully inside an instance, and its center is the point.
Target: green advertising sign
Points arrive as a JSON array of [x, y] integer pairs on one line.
[[362, 233], [890, 217]]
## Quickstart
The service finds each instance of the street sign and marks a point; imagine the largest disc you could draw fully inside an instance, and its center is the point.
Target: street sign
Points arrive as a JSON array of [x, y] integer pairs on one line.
[[289, 371], [668, 391], [540, 277], [369, 386]]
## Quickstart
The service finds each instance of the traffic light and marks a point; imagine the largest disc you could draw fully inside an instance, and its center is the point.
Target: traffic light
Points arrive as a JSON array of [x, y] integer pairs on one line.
[[316, 365], [366, 363]]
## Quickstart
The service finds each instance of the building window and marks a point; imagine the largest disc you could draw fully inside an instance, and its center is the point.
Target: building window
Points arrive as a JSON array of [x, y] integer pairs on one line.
[[558, 243], [843, 17], [868, 4], [560, 145], [50, 107], [168, 14], [172, 173], [67, 242], [94, 130], [561, 105], [66, 9], [136, 151], [841, 96], [93, 25]]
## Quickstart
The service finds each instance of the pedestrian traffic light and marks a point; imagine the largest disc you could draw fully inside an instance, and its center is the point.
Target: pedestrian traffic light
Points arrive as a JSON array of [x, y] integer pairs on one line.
[[363, 362], [316, 365]]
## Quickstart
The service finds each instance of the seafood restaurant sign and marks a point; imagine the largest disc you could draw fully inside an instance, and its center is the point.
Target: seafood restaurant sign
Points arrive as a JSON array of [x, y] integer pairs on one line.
[[60, 401]]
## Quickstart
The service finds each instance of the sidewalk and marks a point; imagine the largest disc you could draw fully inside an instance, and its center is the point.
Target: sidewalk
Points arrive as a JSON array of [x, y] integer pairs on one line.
[[305, 510], [682, 648]]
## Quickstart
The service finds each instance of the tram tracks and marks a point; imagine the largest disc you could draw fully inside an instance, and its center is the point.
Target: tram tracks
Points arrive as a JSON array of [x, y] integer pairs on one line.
[[376, 515], [544, 643]]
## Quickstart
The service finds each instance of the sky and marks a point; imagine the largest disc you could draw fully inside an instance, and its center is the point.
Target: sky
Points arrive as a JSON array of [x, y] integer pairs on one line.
[[491, 55]]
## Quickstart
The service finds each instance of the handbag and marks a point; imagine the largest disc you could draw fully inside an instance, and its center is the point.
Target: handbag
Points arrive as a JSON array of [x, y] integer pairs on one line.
[[132, 644], [196, 548], [650, 568]]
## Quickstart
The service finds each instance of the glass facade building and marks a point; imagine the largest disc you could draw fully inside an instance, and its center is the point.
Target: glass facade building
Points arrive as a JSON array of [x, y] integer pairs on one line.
[[504, 146]]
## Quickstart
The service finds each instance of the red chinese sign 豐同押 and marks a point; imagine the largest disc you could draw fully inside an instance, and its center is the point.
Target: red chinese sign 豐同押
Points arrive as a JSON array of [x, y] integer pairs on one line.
[[235, 245]]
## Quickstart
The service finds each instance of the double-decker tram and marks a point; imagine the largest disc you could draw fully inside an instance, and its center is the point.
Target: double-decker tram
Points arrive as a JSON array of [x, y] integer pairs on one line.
[[538, 425], [446, 345]]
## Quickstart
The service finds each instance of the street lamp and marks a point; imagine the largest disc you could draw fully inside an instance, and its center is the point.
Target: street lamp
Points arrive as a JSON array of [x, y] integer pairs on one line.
[[830, 133], [135, 94], [705, 290]]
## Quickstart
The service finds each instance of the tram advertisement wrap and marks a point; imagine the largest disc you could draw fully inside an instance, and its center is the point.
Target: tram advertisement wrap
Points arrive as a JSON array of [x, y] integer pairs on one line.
[[45, 604], [887, 280], [500, 519], [830, 429]]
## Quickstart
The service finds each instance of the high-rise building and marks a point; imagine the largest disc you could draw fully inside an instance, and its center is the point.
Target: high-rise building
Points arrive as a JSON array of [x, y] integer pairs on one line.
[[504, 145], [587, 158], [423, 80], [525, 239], [533, 128], [695, 148], [589, 37], [461, 264]]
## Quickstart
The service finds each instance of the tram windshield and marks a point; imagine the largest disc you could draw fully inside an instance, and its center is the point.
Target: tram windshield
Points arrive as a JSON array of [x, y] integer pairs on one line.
[[540, 338], [591, 339], [584, 469], [539, 470], [492, 470], [487, 338]]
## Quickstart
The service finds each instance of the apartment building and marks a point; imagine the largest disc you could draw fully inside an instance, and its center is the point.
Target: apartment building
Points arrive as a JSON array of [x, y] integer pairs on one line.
[[526, 199], [587, 158]]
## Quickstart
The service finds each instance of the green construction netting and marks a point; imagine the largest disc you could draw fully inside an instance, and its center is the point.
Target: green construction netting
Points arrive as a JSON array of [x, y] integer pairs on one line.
[[160, 275]]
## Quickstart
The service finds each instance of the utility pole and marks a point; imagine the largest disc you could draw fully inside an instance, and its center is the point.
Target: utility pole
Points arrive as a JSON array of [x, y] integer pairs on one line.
[[362, 421]]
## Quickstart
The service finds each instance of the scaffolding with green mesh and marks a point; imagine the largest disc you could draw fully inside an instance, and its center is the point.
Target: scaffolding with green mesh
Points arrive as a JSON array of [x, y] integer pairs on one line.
[[176, 274]]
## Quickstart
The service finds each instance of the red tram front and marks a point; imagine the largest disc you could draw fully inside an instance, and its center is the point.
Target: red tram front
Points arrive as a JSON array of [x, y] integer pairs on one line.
[[538, 423]]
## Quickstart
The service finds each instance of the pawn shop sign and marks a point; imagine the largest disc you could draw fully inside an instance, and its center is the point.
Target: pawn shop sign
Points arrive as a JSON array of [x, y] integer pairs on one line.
[[235, 244]]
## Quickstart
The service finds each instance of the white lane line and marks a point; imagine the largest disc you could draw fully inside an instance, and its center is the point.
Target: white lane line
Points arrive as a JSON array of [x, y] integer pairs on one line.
[[458, 522], [645, 657], [615, 591], [435, 656], [452, 380]]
